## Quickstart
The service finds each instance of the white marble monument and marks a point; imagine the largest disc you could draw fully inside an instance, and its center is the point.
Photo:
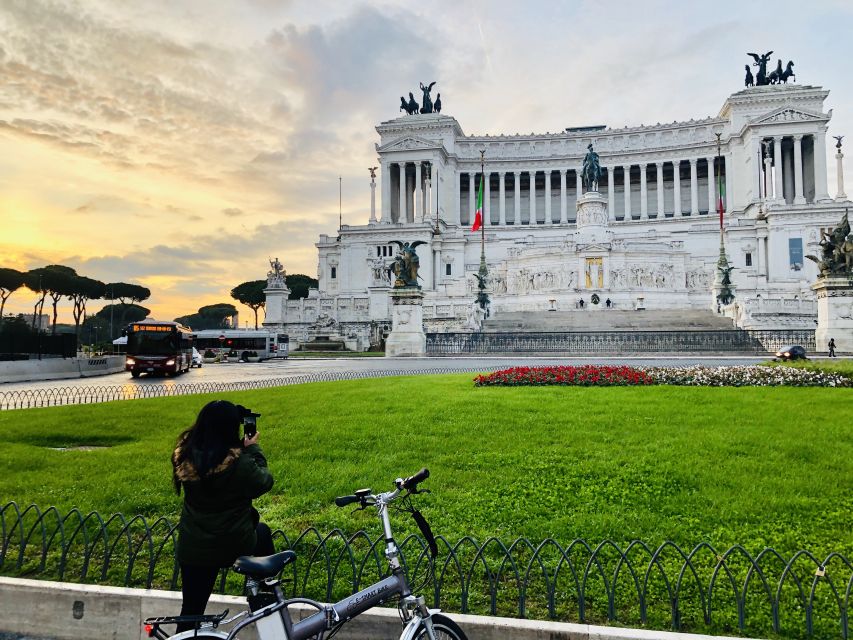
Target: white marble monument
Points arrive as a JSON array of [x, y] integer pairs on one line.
[[651, 232]]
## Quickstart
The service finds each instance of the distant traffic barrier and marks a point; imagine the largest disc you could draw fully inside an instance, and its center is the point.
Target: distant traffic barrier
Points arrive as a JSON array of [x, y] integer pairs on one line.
[[703, 589], [61, 396]]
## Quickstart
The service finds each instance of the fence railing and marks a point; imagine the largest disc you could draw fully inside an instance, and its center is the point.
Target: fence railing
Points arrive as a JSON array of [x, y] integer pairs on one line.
[[59, 396], [797, 595], [752, 341]]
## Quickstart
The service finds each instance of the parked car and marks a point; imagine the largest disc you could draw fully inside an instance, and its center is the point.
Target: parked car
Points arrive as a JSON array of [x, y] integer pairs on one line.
[[197, 361], [793, 352]]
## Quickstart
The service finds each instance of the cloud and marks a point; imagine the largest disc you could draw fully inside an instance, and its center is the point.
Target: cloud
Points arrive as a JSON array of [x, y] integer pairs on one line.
[[233, 212]]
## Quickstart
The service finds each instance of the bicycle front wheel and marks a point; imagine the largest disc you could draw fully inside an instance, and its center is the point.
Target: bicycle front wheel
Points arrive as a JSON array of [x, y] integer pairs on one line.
[[444, 627]]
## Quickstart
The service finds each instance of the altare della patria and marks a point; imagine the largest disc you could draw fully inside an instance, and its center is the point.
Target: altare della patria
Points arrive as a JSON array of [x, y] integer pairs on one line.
[[704, 226]]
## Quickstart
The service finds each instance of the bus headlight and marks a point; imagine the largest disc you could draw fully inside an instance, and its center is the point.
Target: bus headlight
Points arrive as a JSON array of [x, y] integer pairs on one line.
[[130, 361], [170, 363]]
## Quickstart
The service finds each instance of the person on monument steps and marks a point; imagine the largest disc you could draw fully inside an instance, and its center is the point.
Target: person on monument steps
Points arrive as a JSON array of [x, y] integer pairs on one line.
[[220, 474], [832, 348]]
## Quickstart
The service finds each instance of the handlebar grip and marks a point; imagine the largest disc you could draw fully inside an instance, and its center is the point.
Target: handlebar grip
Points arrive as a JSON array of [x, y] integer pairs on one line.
[[343, 501], [412, 481]]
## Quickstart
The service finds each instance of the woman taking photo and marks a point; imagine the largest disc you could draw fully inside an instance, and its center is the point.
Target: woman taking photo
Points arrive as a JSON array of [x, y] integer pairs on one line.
[[220, 474]]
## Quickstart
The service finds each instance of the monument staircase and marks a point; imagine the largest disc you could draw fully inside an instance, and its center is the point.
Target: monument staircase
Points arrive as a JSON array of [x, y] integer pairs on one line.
[[596, 320], [608, 332]]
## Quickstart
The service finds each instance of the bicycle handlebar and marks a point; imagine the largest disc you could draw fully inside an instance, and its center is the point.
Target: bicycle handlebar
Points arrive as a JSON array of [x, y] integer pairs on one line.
[[343, 501], [409, 484], [412, 481]]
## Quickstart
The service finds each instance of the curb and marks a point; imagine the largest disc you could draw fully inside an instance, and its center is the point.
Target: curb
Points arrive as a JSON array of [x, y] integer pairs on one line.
[[68, 611]]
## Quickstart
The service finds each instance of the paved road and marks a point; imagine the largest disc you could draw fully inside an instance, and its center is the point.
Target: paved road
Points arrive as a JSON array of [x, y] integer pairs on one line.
[[299, 367]]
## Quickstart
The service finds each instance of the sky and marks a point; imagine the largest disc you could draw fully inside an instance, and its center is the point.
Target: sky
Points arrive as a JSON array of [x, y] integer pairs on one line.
[[180, 144]]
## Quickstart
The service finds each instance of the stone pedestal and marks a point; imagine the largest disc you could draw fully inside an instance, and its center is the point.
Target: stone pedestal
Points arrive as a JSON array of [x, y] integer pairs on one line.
[[407, 336], [592, 218], [834, 313], [276, 306]]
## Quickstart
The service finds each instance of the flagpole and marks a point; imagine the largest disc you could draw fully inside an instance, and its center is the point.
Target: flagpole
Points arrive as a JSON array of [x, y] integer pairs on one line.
[[483, 221]]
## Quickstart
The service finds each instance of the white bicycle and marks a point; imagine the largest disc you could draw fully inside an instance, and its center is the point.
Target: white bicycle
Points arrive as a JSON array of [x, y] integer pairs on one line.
[[268, 608]]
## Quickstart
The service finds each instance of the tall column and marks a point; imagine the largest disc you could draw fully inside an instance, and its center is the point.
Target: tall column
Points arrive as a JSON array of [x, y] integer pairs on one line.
[[418, 209], [532, 192], [502, 199], [777, 169], [457, 197], [548, 219], [385, 176], [563, 215], [712, 186], [487, 199], [660, 189], [401, 215], [626, 173], [676, 188], [578, 189], [729, 194], [472, 197], [644, 193], [821, 192], [694, 188], [516, 216], [756, 171], [611, 193], [798, 170], [840, 196], [372, 201]]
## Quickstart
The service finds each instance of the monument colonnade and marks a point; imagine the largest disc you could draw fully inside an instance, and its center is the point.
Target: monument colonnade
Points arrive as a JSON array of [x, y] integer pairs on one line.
[[407, 187]]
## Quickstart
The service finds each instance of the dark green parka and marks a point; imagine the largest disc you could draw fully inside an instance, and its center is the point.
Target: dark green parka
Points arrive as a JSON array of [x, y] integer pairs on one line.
[[217, 520]]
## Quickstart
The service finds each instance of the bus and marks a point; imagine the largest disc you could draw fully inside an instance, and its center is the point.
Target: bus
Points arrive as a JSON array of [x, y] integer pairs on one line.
[[158, 348], [264, 343]]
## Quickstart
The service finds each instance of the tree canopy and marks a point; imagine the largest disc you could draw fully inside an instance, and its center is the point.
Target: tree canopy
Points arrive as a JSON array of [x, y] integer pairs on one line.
[[10, 281], [124, 292], [212, 316], [122, 314], [299, 283], [252, 295]]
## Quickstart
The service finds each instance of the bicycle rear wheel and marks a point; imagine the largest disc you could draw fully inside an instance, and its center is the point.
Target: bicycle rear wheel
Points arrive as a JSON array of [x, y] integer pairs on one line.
[[444, 627]]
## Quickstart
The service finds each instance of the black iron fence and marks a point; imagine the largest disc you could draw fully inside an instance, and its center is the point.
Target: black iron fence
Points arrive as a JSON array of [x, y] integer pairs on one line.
[[753, 341], [60, 396], [797, 595]]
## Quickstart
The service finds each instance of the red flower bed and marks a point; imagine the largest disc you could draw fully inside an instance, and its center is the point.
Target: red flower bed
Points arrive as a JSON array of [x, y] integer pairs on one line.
[[586, 376]]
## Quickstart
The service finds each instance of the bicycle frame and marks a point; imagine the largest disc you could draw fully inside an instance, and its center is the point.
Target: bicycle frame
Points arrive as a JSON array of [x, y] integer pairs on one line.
[[414, 609]]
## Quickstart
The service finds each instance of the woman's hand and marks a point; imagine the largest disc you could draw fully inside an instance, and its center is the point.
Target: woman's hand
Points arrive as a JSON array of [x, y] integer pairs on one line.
[[250, 441]]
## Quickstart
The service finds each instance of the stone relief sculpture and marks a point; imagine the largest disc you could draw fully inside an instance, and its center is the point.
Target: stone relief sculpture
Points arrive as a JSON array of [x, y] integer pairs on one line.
[[697, 279], [379, 272]]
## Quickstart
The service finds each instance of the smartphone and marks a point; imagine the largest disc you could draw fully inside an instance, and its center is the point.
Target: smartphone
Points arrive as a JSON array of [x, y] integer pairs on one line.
[[250, 425]]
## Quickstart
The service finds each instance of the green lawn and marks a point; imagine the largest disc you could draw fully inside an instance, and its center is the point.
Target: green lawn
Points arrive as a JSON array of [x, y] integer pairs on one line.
[[758, 466]]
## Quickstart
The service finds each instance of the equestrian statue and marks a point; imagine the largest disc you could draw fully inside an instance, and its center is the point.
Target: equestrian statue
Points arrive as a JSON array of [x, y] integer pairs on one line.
[[591, 171]]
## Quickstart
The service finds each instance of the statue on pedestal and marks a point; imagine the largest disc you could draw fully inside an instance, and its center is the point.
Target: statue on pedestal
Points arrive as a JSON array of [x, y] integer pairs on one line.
[[591, 171], [836, 251], [276, 275], [427, 102], [406, 264]]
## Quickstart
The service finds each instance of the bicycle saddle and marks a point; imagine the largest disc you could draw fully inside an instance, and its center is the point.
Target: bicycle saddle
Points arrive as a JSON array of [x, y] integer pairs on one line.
[[264, 566]]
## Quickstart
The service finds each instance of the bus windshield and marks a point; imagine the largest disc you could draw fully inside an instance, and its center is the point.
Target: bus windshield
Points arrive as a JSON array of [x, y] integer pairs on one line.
[[151, 344]]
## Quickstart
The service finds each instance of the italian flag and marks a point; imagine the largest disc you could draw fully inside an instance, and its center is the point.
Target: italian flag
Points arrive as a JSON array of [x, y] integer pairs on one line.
[[478, 214]]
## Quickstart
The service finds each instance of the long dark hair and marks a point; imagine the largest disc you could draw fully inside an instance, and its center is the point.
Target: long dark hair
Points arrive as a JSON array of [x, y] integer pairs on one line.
[[205, 444]]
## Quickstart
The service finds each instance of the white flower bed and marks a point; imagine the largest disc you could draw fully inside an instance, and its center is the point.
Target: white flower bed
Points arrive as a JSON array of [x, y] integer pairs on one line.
[[746, 376]]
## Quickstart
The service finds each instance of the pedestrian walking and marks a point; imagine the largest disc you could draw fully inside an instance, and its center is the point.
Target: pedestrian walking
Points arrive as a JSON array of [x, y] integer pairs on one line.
[[832, 348]]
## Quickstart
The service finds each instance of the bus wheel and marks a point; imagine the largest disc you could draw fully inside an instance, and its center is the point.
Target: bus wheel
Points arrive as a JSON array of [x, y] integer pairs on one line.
[[134, 374]]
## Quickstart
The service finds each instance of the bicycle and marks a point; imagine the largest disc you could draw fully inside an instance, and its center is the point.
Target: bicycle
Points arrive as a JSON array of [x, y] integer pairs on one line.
[[268, 608]]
